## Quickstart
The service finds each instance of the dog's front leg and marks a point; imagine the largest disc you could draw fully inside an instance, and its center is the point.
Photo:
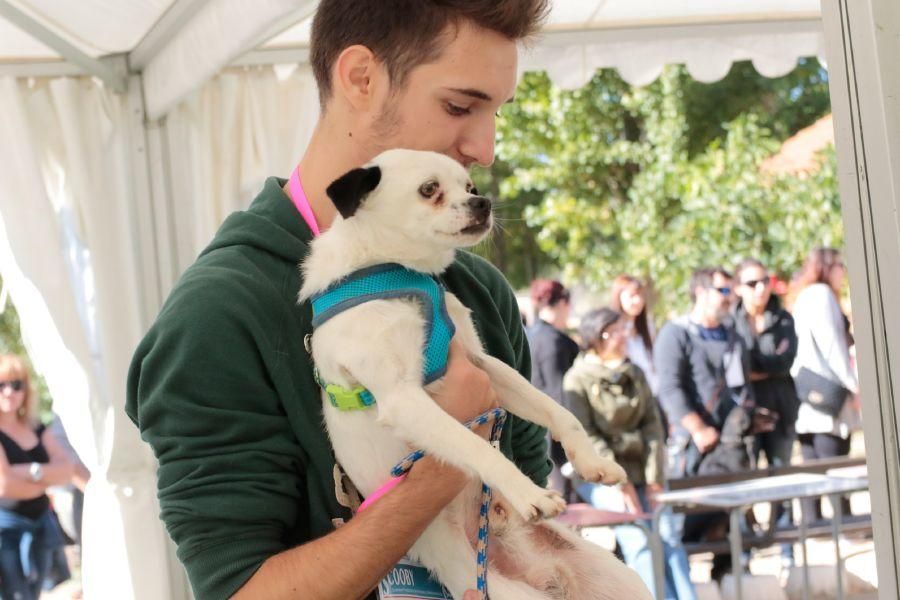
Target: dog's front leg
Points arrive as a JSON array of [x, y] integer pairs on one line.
[[415, 418], [523, 399]]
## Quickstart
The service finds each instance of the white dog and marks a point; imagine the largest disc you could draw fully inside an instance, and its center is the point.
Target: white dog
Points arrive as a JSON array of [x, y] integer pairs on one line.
[[416, 209]]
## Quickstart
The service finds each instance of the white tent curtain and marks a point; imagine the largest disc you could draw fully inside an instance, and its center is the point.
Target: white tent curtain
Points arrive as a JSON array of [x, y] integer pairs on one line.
[[66, 180], [221, 144], [65, 202]]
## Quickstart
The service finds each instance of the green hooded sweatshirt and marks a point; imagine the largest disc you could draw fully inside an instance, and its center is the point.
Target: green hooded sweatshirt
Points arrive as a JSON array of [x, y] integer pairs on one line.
[[223, 391]]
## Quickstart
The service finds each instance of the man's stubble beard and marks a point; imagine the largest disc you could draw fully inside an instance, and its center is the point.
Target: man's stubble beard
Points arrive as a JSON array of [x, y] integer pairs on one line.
[[386, 127]]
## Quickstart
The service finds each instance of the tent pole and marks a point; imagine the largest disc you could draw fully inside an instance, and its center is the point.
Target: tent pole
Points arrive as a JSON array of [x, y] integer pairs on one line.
[[162, 32], [30, 25]]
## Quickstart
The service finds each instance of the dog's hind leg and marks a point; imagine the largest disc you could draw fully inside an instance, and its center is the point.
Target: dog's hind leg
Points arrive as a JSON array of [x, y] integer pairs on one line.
[[523, 399]]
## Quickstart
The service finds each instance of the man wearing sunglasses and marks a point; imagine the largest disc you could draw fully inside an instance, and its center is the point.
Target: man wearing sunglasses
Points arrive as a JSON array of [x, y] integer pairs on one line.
[[702, 366]]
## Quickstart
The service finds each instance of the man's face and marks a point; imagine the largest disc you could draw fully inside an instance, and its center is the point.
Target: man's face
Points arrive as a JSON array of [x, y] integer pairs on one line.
[[720, 296], [754, 287], [716, 299], [450, 105]]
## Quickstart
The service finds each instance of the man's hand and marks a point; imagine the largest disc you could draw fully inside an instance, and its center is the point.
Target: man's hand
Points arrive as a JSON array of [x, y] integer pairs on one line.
[[465, 390], [705, 438], [652, 490], [632, 502]]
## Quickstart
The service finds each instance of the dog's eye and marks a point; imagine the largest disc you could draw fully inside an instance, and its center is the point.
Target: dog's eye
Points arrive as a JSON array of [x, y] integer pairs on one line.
[[429, 189], [471, 189]]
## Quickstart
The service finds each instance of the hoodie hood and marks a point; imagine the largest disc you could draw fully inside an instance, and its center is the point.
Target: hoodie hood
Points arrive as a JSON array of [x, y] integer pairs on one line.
[[271, 224]]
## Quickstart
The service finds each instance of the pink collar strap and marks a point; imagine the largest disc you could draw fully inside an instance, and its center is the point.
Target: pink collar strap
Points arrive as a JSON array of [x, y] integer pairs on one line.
[[302, 202]]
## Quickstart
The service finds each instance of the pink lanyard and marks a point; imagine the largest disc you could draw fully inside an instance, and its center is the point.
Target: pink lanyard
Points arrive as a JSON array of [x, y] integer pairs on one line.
[[302, 202]]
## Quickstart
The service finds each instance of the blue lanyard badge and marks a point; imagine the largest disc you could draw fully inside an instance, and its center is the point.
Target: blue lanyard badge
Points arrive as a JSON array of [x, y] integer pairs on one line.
[[411, 581]]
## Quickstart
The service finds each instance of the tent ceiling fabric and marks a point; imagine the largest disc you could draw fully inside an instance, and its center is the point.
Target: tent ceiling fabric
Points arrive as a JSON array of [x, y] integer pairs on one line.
[[96, 27], [637, 37]]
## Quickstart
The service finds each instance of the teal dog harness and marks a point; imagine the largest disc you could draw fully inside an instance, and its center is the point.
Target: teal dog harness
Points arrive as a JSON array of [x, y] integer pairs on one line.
[[385, 282]]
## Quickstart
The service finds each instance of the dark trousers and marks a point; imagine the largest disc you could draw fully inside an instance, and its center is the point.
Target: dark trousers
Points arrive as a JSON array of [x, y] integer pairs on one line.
[[777, 446], [822, 445]]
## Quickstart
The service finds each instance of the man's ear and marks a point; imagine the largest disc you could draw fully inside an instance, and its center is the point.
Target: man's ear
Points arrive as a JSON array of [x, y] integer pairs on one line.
[[348, 191], [352, 76]]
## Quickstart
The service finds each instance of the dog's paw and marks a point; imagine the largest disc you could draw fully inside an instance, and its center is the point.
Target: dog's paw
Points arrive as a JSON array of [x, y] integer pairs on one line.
[[599, 470], [538, 503]]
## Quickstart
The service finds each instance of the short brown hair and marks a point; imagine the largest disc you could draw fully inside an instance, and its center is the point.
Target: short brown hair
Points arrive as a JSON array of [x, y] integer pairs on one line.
[[406, 33]]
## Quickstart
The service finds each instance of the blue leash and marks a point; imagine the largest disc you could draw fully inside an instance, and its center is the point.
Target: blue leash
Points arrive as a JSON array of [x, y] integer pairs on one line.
[[498, 416]]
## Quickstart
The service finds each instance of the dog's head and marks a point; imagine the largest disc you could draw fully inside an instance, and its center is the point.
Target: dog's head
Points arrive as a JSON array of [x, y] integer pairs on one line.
[[428, 197]]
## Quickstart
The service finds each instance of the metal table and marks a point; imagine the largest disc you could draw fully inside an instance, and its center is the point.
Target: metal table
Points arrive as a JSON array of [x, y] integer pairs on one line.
[[738, 497]]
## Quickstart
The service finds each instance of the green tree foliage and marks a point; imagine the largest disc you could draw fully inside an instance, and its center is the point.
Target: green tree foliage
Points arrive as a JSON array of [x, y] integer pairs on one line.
[[658, 180]]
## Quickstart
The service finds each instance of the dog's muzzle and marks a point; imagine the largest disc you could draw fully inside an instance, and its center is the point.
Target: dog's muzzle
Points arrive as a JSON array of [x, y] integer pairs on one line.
[[480, 211]]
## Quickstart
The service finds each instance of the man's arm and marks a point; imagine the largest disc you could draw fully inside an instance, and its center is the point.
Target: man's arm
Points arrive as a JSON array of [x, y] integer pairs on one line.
[[779, 361], [350, 562], [673, 366]]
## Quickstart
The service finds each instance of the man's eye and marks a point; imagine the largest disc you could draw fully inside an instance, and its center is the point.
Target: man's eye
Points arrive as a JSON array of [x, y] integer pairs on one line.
[[456, 111], [428, 189]]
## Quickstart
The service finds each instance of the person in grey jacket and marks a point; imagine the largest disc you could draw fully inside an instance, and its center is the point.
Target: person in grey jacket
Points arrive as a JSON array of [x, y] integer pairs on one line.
[[702, 367], [703, 371]]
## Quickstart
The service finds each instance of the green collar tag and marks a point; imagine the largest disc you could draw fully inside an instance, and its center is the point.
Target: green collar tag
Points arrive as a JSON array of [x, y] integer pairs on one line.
[[359, 398]]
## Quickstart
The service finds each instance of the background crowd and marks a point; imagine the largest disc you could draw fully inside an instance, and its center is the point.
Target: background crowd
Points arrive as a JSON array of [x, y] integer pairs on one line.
[[745, 374]]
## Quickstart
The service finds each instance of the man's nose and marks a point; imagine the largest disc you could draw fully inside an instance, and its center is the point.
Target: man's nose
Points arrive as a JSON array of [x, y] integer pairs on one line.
[[480, 207], [478, 144]]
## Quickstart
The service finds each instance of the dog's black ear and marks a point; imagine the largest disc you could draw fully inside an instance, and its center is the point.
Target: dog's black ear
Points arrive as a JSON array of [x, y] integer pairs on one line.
[[348, 191]]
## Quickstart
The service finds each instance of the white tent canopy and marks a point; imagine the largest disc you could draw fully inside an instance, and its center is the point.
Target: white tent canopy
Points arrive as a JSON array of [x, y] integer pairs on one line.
[[180, 44], [125, 139]]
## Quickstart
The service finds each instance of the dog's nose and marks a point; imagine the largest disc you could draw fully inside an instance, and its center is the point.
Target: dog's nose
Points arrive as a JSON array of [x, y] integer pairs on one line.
[[480, 207]]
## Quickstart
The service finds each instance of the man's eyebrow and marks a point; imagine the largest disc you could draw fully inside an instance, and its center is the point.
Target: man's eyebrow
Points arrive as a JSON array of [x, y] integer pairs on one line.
[[477, 94]]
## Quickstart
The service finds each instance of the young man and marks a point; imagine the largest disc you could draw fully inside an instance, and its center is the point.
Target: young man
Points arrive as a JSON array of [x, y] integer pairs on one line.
[[222, 388]]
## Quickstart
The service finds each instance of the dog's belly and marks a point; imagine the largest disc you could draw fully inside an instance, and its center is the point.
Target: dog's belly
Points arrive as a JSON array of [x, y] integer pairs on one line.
[[365, 449]]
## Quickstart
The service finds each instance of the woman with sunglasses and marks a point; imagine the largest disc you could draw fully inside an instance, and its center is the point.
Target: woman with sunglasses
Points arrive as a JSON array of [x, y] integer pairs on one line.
[[31, 460], [768, 332]]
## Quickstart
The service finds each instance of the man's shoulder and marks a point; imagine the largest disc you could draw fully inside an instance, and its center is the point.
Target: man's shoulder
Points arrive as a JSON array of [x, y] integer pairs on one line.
[[677, 328], [481, 269], [478, 276]]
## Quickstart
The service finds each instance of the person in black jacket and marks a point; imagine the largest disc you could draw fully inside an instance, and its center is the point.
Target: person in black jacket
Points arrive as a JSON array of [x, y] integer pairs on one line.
[[552, 353], [768, 332]]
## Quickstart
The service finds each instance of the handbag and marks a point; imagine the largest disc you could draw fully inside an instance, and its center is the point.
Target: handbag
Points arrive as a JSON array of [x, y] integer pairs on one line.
[[821, 393]]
